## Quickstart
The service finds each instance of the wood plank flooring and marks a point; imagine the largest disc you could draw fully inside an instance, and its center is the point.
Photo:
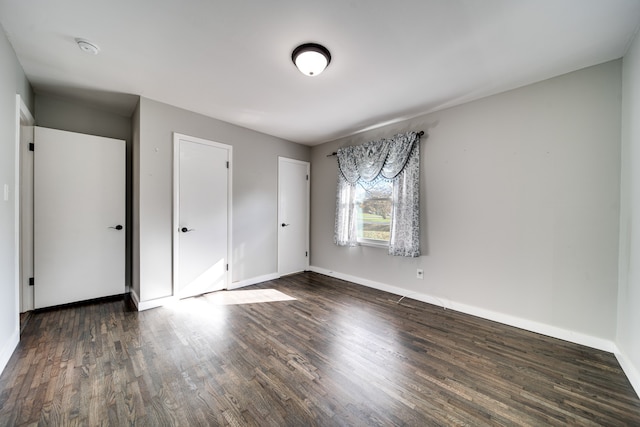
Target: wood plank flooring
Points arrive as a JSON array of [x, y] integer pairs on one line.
[[337, 355]]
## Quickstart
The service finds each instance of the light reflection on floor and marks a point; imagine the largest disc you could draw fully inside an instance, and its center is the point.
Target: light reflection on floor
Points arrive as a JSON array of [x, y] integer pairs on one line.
[[236, 297], [212, 308], [252, 296]]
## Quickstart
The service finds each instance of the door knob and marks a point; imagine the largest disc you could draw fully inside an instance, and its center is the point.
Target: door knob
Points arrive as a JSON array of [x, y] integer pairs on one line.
[[284, 225], [117, 227], [186, 230]]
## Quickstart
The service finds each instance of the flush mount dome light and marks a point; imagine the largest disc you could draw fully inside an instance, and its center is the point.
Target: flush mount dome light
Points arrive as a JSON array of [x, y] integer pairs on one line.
[[311, 58], [88, 47]]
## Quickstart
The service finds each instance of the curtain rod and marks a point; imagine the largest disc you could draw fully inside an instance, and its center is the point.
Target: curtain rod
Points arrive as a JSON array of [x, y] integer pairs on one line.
[[421, 133]]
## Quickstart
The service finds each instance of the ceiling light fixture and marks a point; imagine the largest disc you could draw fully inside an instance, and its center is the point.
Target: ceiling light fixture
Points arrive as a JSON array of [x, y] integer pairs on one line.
[[311, 58], [88, 47]]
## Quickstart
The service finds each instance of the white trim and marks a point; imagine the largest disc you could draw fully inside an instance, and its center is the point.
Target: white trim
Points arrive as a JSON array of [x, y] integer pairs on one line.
[[518, 322], [146, 305], [632, 373], [177, 137], [23, 116], [174, 213], [308, 203], [537, 327], [17, 256], [253, 281], [374, 243], [9, 348]]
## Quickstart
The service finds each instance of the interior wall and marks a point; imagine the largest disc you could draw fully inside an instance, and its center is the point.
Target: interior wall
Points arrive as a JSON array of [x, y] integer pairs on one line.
[[629, 286], [74, 116], [520, 207], [255, 165], [12, 81]]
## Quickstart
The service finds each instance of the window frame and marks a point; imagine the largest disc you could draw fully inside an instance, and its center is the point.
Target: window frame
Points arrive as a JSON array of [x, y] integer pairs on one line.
[[363, 241]]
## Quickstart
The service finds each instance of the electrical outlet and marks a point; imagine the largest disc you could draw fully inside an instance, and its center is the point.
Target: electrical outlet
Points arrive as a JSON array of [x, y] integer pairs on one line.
[[420, 273]]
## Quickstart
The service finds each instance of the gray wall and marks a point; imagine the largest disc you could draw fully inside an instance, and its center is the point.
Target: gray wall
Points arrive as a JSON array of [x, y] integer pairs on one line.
[[12, 82], [520, 205], [628, 338], [75, 116], [255, 179]]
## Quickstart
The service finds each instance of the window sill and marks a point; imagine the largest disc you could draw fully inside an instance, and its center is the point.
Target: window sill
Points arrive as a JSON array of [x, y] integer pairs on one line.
[[373, 244]]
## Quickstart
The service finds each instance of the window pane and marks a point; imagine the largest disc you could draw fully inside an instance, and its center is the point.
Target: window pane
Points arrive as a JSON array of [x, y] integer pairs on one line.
[[373, 204]]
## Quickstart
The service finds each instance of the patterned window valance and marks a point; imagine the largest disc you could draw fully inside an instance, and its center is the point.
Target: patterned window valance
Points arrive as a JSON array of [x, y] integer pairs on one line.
[[396, 159], [386, 158]]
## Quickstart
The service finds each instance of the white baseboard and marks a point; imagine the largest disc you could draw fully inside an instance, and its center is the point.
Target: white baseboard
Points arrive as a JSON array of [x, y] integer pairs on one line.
[[146, 305], [9, 348], [253, 281], [632, 373], [529, 325]]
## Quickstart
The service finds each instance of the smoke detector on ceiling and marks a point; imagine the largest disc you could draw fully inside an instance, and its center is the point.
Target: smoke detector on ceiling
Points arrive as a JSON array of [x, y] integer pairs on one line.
[[88, 47]]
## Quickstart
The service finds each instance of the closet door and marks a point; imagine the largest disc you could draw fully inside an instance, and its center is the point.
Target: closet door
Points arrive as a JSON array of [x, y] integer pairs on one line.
[[293, 216], [79, 217], [202, 221]]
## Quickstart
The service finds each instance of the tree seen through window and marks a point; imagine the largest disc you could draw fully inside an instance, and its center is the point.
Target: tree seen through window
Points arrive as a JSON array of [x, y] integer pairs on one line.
[[374, 203]]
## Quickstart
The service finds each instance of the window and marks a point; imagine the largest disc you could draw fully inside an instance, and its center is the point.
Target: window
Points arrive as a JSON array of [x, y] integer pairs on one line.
[[373, 212], [378, 195]]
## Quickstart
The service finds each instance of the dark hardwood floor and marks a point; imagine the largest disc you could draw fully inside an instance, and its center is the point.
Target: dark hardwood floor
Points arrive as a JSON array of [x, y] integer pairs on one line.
[[339, 354]]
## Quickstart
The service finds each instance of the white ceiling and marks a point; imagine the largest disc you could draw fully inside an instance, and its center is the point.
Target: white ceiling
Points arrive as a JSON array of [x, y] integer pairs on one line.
[[231, 60]]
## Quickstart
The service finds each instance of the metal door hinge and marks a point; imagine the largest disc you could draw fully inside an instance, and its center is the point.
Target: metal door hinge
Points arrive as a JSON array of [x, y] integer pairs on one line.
[[227, 165], [306, 254], [227, 267], [307, 177], [32, 146], [31, 281]]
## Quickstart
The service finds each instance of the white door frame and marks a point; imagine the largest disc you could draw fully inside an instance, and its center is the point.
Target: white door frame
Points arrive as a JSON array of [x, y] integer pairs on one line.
[[176, 205], [23, 118], [308, 203]]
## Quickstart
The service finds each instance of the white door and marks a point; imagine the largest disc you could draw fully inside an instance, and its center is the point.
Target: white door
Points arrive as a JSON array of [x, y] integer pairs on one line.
[[201, 215], [79, 216], [293, 216]]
